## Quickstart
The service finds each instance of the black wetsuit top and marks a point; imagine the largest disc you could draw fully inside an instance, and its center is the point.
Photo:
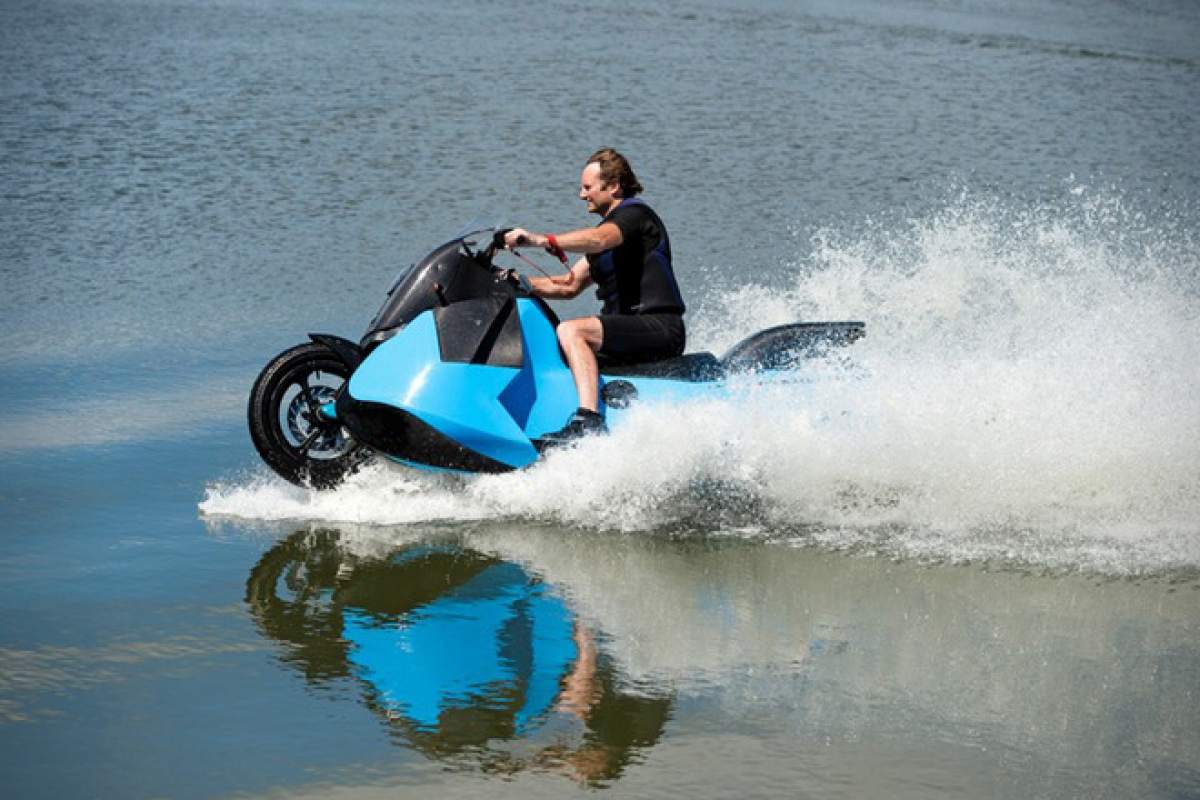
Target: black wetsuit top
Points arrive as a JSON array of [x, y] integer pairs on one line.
[[635, 277]]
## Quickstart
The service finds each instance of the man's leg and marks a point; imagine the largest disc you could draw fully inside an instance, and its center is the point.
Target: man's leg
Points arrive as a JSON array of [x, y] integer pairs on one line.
[[580, 339]]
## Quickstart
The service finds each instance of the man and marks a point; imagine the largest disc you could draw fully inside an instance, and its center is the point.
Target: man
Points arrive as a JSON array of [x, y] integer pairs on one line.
[[628, 256]]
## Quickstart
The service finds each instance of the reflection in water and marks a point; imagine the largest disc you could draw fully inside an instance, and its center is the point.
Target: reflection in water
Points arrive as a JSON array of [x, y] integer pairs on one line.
[[469, 658], [512, 648]]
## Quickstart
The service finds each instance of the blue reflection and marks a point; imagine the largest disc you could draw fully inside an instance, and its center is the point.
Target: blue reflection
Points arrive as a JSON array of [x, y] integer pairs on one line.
[[498, 641], [458, 651]]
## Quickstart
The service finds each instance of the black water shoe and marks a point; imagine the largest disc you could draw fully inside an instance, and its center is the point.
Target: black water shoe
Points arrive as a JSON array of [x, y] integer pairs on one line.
[[583, 422]]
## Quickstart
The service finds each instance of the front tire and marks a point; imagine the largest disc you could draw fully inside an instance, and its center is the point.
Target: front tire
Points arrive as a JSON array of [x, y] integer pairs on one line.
[[288, 431]]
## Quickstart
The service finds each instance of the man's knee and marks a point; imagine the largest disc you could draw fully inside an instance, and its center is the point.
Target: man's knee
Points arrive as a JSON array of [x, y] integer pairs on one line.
[[575, 331], [566, 333]]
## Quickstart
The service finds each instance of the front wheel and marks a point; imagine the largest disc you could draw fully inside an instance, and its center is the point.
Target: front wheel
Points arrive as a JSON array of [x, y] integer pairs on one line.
[[286, 424]]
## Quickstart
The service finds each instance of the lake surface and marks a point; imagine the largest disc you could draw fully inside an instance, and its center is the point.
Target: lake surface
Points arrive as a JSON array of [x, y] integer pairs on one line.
[[969, 566]]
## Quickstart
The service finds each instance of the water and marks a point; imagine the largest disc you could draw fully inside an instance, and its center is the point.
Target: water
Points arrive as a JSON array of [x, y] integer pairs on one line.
[[970, 566]]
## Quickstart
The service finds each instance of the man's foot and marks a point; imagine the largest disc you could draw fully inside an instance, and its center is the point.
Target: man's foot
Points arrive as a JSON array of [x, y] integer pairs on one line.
[[584, 422]]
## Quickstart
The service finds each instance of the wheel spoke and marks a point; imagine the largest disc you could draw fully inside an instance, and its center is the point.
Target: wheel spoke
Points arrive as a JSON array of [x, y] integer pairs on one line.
[[310, 399], [308, 442]]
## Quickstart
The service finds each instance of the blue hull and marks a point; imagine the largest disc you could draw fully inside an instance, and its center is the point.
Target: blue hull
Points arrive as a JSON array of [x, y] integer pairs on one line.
[[408, 403]]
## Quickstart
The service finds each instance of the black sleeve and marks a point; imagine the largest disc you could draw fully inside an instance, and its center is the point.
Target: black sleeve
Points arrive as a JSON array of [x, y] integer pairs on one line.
[[631, 220]]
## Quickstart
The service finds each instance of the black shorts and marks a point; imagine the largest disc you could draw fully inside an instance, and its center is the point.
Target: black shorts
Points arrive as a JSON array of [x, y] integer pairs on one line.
[[635, 338]]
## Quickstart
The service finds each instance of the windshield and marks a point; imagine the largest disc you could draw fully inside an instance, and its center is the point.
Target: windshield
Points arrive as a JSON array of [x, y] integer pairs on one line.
[[475, 233], [458, 269], [476, 225]]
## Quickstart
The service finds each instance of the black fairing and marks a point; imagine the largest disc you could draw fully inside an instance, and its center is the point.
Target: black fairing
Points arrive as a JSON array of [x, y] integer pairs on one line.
[[485, 330], [783, 346], [398, 433], [450, 274]]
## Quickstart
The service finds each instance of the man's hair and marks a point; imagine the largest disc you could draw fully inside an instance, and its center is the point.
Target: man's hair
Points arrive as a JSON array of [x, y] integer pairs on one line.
[[614, 168]]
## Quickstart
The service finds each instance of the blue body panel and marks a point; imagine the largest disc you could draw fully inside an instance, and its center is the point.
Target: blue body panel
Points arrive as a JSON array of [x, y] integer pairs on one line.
[[551, 394], [460, 400], [495, 411]]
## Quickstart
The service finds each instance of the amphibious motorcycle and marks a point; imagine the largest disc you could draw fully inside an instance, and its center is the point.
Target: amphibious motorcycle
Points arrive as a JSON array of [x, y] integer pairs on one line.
[[461, 370]]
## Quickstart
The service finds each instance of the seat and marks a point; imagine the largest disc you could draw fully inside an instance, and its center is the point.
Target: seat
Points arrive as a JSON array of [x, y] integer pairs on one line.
[[695, 367]]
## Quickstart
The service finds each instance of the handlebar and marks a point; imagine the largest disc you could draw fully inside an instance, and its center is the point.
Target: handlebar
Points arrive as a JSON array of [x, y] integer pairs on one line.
[[519, 280], [497, 242]]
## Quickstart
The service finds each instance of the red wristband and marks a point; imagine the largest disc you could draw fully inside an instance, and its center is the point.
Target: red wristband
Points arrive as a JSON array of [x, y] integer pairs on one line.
[[554, 249]]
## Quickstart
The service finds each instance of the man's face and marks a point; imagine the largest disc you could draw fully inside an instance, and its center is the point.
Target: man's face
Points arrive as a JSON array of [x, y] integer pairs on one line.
[[598, 195]]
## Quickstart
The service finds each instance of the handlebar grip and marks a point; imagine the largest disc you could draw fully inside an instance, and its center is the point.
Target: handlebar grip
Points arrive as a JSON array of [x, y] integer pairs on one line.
[[498, 238]]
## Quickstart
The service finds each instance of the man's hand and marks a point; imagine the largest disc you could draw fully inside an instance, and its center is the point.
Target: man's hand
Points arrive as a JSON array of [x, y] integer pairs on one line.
[[519, 237]]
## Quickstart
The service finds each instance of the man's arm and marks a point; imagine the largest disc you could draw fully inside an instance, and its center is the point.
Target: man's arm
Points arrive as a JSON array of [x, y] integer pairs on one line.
[[566, 286], [604, 236]]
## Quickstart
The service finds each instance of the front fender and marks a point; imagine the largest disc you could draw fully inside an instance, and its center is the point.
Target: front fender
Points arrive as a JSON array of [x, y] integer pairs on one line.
[[347, 351]]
